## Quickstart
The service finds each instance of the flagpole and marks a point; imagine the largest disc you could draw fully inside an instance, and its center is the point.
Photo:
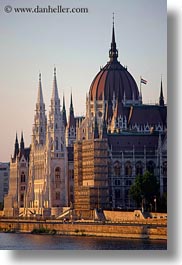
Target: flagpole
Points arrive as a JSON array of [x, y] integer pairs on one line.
[[140, 85]]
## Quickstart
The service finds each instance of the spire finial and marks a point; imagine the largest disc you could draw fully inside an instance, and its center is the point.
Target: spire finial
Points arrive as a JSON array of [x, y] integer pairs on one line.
[[40, 95], [113, 52], [54, 70], [71, 102], [113, 19]]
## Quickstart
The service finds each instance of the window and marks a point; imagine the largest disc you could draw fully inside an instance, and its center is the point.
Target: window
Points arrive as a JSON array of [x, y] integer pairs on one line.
[[57, 145], [22, 177], [128, 169], [51, 143], [117, 194], [71, 173], [100, 114], [117, 182], [57, 195], [151, 167], [22, 197], [139, 168], [57, 174], [117, 169]]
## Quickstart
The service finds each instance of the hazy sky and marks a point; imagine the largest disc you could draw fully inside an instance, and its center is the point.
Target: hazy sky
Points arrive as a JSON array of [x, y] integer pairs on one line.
[[77, 44]]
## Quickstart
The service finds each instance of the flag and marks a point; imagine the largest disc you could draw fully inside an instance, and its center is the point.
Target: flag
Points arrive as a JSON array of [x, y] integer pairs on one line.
[[143, 81]]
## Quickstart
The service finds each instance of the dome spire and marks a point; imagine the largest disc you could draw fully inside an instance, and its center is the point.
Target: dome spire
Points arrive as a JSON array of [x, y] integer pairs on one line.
[[113, 52]]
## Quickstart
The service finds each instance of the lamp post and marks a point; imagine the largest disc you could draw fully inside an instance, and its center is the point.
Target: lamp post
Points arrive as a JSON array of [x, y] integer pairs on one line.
[[142, 203], [155, 203]]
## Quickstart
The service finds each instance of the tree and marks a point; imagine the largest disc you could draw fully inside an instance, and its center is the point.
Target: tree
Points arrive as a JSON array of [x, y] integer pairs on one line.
[[145, 188]]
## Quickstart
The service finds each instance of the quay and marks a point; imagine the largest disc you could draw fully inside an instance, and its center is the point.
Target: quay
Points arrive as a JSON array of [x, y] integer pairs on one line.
[[146, 229]]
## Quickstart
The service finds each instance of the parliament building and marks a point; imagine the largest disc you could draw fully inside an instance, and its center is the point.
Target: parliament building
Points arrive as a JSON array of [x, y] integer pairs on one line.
[[88, 163]]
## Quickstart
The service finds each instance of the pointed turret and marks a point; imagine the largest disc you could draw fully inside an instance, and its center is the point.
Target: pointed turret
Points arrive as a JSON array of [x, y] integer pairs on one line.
[[16, 150], [64, 113], [40, 95], [55, 95], [161, 98], [22, 145], [71, 126], [113, 52], [71, 121]]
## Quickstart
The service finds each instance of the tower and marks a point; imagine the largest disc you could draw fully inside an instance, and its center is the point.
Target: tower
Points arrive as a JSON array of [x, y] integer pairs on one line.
[[40, 120], [56, 153]]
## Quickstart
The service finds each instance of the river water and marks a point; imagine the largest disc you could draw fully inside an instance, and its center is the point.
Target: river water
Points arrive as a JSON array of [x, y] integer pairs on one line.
[[41, 242]]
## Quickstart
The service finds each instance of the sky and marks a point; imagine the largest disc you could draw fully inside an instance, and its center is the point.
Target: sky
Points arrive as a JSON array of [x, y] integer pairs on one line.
[[77, 44]]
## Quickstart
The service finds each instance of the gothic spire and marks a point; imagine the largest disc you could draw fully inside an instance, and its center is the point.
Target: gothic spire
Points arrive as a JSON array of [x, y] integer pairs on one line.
[[71, 104], [55, 96], [40, 95], [16, 150], [161, 98], [22, 146], [113, 52], [64, 112], [71, 122]]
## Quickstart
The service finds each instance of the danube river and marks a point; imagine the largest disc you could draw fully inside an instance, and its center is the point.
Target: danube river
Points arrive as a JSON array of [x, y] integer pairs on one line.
[[28, 241]]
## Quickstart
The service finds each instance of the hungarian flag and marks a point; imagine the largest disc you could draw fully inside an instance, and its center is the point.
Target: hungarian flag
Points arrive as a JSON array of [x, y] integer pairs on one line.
[[143, 81]]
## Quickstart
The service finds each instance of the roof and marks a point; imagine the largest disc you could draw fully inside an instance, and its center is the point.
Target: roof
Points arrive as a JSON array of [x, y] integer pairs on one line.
[[126, 141], [114, 79], [151, 114]]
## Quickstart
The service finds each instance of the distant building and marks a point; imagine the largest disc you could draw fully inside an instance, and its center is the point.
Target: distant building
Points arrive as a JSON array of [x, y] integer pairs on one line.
[[89, 162], [4, 181]]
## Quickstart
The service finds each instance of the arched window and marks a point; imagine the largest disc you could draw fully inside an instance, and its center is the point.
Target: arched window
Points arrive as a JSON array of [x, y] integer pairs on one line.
[[117, 169], [139, 168], [151, 167], [128, 169], [57, 144], [22, 177], [57, 195], [51, 143], [57, 174]]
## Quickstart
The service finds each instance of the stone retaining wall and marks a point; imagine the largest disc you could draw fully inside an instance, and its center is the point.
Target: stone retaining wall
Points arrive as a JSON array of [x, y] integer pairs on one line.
[[114, 230]]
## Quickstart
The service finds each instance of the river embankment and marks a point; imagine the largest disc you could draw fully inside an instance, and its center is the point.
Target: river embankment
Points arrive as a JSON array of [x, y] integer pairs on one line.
[[149, 229]]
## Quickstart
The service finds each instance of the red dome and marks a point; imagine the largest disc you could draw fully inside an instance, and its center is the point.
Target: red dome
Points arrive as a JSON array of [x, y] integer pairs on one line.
[[114, 79]]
